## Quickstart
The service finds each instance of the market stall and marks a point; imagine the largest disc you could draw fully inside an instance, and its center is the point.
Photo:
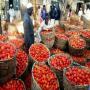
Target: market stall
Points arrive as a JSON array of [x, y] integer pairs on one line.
[[59, 61]]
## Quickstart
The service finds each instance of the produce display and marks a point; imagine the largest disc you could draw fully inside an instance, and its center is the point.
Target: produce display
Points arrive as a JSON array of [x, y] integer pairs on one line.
[[3, 37], [22, 62], [56, 51], [45, 77], [62, 36], [88, 65], [86, 34], [7, 51], [72, 32], [77, 42], [14, 84], [79, 59], [39, 52], [78, 76], [87, 54], [60, 61], [17, 42]]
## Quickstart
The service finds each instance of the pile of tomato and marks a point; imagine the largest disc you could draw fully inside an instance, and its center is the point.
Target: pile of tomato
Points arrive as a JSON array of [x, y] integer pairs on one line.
[[79, 59], [88, 64], [78, 76], [60, 61], [7, 51], [45, 78], [39, 52], [87, 54], [77, 42], [14, 84], [2, 37], [86, 34], [62, 36], [55, 51], [17, 42], [22, 62], [72, 32]]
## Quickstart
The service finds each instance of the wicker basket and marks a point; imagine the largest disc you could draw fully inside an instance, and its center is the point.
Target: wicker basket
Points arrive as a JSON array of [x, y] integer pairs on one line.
[[59, 73], [69, 86], [35, 85], [32, 60], [76, 51], [7, 69], [60, 43], [87, 42], [48, 38]]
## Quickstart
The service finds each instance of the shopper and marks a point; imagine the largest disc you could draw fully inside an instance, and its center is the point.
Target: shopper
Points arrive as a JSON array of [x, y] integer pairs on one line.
[[80, 13], [43, 12], [57, 14], [28, 27], [51, 13], [11, 13], [39, 15], [0, 26]]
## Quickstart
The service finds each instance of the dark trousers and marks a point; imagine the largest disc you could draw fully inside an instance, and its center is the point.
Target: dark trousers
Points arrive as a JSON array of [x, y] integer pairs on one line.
[[29, 42]]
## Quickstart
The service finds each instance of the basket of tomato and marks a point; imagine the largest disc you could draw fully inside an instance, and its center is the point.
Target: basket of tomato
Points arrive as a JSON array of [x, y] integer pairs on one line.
[[48, 37], [43, 78], [13, 84], [57, 63], [7, 61], [86, 35], [61, 41], [76, 78], [38, 52], [76, 45]]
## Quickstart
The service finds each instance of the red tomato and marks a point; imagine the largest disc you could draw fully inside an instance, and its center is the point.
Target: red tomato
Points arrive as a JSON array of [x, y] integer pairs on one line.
[[7, 51], [22, 62], [45, 77], [39, 52], [17, 42], [60, 61], [13, 85], [78, 76], [77, 42]]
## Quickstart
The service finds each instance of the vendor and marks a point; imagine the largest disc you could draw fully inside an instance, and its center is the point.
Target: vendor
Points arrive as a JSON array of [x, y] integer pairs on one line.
[[45, 25], [28, 27]]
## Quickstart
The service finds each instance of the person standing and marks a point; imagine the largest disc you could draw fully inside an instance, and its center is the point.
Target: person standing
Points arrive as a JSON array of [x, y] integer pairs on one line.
[[11, 13], [57, 14], [0, 26], [28, 27], [46, 24], [80, 13], [43, 12], [51, 14], [39, 15]]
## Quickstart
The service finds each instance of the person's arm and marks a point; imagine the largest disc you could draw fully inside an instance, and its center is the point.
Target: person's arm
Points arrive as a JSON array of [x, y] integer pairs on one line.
[[41, 27]]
